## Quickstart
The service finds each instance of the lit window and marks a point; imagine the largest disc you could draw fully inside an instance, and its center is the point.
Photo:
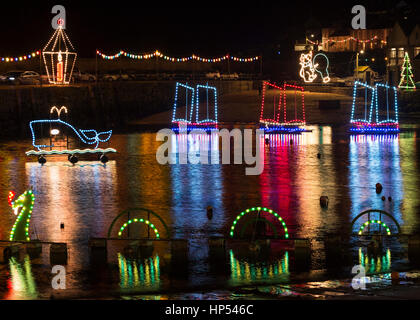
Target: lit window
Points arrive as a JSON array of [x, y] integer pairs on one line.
[[393, 53], [416, 51], [401, 53]]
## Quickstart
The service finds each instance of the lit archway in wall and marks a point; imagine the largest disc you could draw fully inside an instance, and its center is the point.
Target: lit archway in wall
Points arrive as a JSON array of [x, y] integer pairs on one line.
[[147, 222], [259, 210]]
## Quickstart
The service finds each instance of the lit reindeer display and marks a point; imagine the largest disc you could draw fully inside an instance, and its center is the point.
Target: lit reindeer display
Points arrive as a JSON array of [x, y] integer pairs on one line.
[[22, 208]]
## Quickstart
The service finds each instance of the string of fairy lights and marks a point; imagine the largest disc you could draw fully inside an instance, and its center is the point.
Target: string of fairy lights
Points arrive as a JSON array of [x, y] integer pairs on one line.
[[143, 57], [374, 38], [158, 54], [21, 58]]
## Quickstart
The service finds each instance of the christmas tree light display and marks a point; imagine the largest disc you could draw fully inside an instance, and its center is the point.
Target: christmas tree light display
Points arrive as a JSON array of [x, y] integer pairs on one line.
[[59, 57], [407, 81]]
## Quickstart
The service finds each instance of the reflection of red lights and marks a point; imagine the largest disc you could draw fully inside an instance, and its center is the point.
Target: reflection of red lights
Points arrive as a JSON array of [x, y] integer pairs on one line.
[[60, 22]]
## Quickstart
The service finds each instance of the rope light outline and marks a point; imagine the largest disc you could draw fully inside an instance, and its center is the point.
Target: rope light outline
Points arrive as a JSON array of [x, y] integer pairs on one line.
[[259, 209], [140, 220]]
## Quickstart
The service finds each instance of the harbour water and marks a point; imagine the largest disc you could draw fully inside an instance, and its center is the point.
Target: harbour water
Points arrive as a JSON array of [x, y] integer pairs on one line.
[[74, 203]]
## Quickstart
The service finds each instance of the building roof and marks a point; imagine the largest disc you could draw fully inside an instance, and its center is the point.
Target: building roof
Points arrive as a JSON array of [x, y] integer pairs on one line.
[[407, 25], [363, 69]]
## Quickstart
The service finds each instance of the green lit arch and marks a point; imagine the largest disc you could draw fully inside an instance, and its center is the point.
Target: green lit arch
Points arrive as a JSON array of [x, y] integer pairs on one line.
[[382, 212], [136, 220], [257, 210], [143, 210], [261, 220], [364, 225]]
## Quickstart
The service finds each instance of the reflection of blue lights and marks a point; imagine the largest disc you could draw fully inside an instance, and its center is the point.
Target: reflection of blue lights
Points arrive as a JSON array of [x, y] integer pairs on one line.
[[281, 129], [375, 158], [196, 186], [378, 130], [191, 127]]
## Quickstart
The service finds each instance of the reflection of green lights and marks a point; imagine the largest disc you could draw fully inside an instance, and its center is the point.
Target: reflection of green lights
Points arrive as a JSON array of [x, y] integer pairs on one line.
[[257, 210], [379, 222], [138, 273], [23, 284], [151, 225], [378, 265], [242, 270]]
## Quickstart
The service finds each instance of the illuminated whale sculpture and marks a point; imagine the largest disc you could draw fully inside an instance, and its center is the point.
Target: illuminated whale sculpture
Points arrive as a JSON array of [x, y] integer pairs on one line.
[[86, 136], [59, 132]]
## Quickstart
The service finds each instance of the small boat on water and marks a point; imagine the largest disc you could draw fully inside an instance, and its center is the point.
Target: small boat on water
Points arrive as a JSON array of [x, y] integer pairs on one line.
[[279, 120], [374, 109]]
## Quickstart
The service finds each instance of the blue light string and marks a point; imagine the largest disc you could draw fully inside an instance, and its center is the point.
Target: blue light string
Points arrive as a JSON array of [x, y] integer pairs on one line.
[[198, 104], [187, 87]]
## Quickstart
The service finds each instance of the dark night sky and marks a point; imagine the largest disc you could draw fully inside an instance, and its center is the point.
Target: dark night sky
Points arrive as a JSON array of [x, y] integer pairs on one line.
[[176, 28]]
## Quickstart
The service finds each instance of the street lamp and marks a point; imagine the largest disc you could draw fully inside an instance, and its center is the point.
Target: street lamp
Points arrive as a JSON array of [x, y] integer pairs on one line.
[[357, 63]]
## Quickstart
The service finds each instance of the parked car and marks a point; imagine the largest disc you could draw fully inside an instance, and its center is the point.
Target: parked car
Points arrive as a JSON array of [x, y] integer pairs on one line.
[[213, 75], [334, 79], [79, 76], [116, 77], [231, 76], [110, 77], [21, 77]]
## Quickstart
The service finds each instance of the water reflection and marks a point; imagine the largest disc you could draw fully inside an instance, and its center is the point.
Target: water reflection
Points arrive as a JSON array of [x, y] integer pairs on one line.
[[136, 274], [243, 271], [295, 177], [195, 186], [372, 159], [375, 263], [21, 285]]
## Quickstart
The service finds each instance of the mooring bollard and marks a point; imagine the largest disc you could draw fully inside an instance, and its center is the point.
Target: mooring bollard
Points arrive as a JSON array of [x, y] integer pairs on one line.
[[414, 249], [8, 250], [217, 256], [209, 212], [145, 249], [98, 251], [335, 253], [179, 257], [379, 188], [302, 254], [34, 249], [58, 254], [323, 201]]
